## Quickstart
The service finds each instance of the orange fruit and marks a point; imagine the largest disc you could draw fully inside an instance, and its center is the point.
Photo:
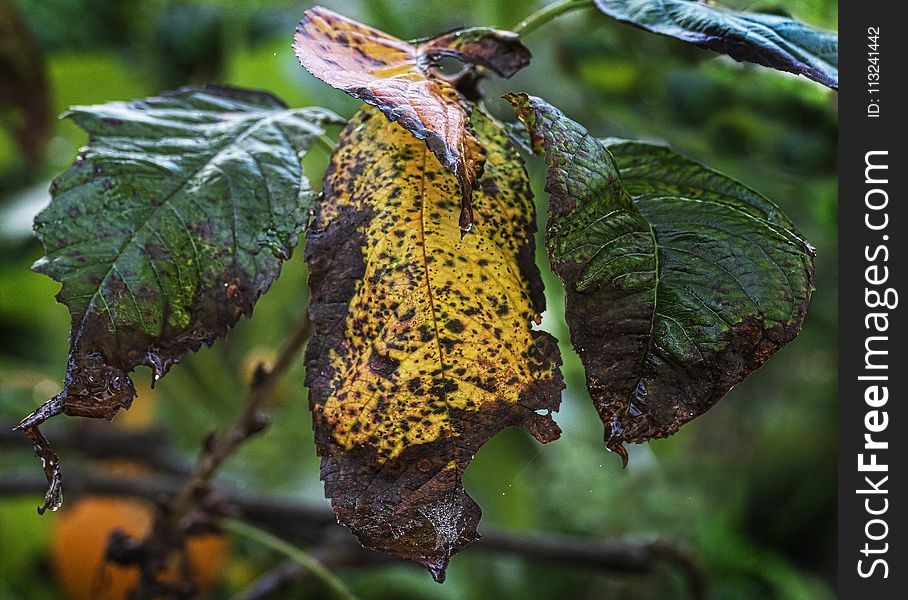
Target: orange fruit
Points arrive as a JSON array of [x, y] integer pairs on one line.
[[80, 539]]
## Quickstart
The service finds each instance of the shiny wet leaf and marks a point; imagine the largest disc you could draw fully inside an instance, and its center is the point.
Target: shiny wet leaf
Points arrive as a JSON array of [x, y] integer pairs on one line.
[[679, 281]]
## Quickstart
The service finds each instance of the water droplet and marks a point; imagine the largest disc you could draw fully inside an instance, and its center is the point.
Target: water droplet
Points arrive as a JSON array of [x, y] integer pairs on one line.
[[57, 502], [276, 249]]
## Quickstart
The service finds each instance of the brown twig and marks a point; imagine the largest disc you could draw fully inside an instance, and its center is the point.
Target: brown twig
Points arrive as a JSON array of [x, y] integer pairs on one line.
[[193, 507], [291, 519], [277, 580], [317, 524], [99, 441], [247, 421], [627, 557], [333, 555]]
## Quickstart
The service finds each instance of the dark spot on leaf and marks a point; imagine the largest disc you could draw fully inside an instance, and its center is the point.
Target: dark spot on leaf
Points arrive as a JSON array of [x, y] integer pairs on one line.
[[382, 365]]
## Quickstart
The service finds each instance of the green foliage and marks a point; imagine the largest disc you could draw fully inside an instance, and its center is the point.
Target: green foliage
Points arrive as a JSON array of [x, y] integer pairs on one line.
[[679, 281], [24, 92], [771, 131], [770, 40], [168, 227], [675, 290]]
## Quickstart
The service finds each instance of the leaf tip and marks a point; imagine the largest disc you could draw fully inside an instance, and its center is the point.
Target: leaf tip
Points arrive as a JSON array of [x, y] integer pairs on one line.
[[53, 497], [517, 99], [437, 568], [522, 104], [465, 222], [619, 449]]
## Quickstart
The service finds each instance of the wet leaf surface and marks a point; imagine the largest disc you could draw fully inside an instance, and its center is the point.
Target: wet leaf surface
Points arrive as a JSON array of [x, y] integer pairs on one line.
[[769, 40], [401, 80], [679, 281], [424, 346], [171, 223]]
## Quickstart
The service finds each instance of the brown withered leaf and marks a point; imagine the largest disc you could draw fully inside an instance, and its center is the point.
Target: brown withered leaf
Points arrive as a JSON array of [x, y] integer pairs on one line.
[[423, 347], [401, 80]]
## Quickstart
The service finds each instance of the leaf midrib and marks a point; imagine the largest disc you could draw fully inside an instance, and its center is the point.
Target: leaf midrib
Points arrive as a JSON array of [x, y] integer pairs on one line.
[[431, 296]]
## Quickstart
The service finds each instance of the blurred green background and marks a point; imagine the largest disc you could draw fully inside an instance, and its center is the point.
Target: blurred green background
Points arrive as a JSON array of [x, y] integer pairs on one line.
[[749, 487]]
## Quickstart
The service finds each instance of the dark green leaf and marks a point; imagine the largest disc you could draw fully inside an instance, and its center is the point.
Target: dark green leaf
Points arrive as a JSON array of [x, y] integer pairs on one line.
[[679, 281], [768, 40], [648, 169], [169, 226]]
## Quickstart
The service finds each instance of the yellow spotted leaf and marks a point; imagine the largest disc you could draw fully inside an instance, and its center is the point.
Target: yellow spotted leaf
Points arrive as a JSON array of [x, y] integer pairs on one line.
[[400, 78], [424, 346]]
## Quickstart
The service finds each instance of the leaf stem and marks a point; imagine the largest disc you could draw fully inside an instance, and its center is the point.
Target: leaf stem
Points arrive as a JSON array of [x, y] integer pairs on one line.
[[327, 143], [549, 13], [331, 581]]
